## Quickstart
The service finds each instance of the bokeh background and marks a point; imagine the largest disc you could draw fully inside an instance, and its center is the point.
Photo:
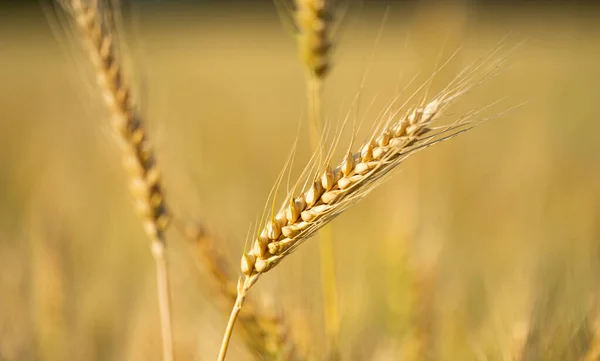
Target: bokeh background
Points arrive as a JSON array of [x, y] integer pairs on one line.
[[482, 248]]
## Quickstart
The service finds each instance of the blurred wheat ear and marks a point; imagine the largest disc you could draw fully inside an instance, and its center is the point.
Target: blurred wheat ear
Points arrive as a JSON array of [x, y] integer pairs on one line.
[[313, 21], [95, 22], [266, 335]]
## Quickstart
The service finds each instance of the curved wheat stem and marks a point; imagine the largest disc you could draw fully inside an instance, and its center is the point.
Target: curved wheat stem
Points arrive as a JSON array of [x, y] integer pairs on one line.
[[95, 23]]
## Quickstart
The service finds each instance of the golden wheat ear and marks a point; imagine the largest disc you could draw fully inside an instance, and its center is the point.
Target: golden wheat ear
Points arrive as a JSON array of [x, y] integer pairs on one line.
[[94, 21], [334, 189]]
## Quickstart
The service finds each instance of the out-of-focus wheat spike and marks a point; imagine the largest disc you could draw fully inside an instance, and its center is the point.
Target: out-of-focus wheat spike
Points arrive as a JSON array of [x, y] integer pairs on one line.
[[313, 23], [268, 331], [212, 260], [593, 349], [95, 22], [520, 336], [138, 156], [265, 331]]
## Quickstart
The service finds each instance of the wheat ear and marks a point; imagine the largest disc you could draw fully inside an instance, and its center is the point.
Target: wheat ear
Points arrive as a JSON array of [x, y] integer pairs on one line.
[[334, 190], [313, 23], [94, 21], [265, 332], [313, 19]]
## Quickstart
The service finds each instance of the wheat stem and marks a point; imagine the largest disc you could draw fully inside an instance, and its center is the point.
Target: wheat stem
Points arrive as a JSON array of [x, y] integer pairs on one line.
[[235, 311], [314, 88], [164, 301], [328, 278], [329, 285], [313, 22]]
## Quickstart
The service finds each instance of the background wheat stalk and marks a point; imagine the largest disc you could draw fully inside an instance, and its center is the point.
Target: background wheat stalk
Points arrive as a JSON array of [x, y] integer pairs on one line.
[[312, 19], [313, 22], [266, 335], [95, 23]]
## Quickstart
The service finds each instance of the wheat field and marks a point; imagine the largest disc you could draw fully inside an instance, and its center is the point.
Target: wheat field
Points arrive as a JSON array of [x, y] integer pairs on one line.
[[485, 247]]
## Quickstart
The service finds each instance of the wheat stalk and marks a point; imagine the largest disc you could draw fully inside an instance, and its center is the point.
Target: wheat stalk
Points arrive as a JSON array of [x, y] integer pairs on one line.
[[519, 342], [95, 23], [313, 19], [423, 313], [335, 189], [265, 331]]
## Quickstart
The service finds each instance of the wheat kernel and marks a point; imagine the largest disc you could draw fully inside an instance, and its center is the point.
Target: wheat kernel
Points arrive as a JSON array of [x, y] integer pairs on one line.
[[328, 179], [331, 196], [273, 229], [313, 194], [247, 265]]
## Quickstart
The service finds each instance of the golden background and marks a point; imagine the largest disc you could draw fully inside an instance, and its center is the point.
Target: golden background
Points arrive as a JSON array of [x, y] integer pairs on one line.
[[471, 246]]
